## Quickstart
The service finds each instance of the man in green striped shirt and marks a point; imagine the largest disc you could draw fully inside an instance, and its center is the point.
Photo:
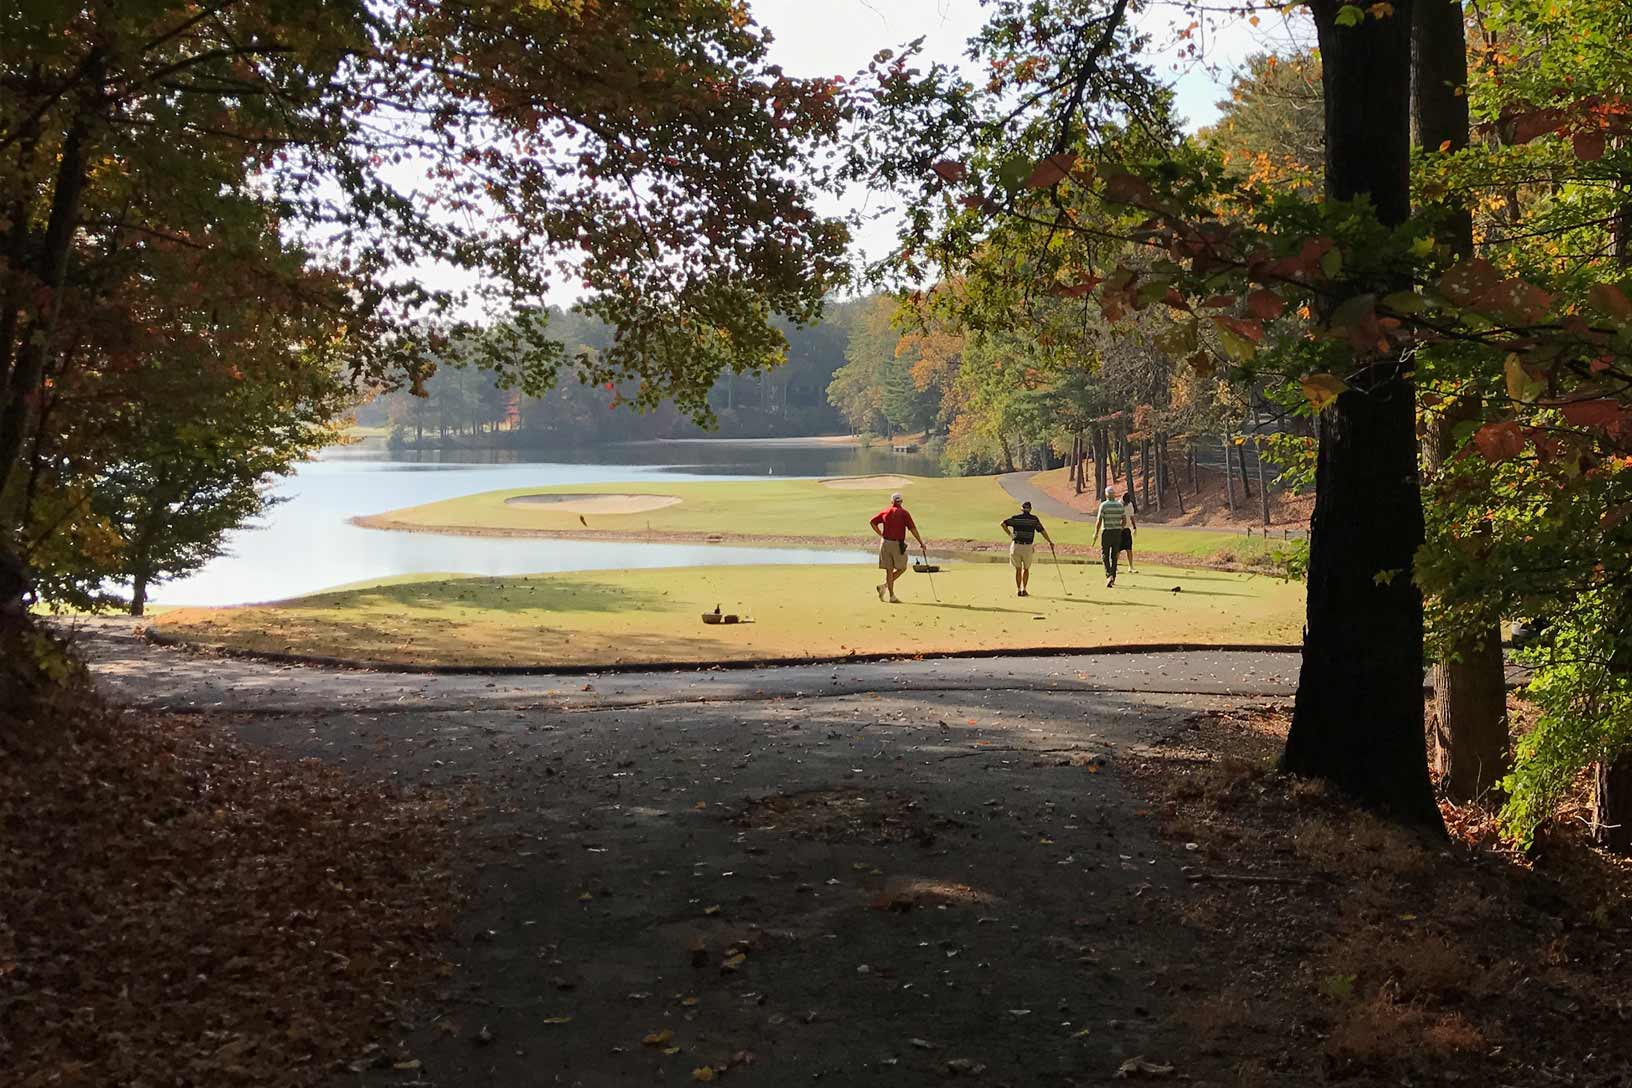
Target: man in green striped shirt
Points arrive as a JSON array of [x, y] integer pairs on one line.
[[1108, 525]]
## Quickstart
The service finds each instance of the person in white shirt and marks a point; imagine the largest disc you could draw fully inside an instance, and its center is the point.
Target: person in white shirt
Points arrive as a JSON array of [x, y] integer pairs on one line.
[[1108, 524]]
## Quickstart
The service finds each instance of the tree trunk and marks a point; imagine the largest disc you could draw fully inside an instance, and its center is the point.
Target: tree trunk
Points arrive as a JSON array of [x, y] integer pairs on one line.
[[1358, 718], [1263, 488], [1612, 804], [138, 595], [1229, 474], [1190, 462], [1470, 684], [1470, 718], [25, 371], [1241, 467], [1144, 473], [1008, 454], [1101, 468]]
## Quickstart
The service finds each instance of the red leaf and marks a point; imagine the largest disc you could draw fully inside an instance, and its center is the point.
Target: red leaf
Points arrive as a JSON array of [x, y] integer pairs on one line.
[[951, 171], [1499, 441], [1051, 170], [1219, 302], [1248, 330], [1592, 413], [1465, 282], [1610, 299], [1265, 304], [1079, 289], [1589, 146], [1122, 188]]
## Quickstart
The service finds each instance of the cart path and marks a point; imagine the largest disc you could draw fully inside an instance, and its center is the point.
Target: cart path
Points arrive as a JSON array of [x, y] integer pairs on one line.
[[133, 672], [870, 874]]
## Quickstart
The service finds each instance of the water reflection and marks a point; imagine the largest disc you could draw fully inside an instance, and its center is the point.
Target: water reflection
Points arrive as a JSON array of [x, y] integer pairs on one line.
[[305, 543]]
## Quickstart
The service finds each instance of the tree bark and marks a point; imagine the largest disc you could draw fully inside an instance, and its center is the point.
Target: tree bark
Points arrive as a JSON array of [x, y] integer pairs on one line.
[[1470, 684], [1358, 718], [1263, 488], [1229, 478], [33, 342]]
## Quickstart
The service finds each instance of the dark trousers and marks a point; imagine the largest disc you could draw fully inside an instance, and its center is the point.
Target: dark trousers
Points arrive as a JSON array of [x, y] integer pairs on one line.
[[1110, 540]]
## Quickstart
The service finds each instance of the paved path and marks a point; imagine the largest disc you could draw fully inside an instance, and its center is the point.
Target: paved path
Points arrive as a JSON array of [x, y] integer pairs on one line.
[[872, 874], [136, 673]]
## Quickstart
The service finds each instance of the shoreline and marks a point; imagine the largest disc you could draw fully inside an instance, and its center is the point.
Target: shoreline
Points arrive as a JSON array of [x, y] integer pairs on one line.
[[964, 549]]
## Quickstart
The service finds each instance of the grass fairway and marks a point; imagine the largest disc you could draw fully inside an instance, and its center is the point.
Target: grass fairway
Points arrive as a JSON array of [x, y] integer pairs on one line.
[[604, 618], [949, 512]]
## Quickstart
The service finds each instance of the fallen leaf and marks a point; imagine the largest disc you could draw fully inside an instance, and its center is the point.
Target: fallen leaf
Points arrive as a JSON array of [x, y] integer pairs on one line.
[[657, 1038], [704, 1073], [1139, 1067]]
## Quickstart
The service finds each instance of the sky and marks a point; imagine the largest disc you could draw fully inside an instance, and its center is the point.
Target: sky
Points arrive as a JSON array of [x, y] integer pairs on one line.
[[838, 37]]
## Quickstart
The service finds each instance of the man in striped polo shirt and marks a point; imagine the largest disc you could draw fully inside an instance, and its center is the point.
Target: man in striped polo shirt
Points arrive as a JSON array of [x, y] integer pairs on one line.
[[1108, 528]]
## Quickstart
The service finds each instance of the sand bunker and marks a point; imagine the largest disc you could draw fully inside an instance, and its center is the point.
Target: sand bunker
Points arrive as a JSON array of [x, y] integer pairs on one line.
[[867, 483], [596, 504]]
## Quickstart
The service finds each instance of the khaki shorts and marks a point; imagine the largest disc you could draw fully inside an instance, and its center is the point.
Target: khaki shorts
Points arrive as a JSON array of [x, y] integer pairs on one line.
[[892, 555], [1020, 555]]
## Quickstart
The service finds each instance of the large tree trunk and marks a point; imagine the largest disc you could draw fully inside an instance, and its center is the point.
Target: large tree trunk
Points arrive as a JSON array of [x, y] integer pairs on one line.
[[1470, 684], [1612, 805], [1358, 719], [25, 371]]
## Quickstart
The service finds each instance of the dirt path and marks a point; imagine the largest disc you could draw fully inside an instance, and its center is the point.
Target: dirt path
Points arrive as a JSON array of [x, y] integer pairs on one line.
[[883, 874]]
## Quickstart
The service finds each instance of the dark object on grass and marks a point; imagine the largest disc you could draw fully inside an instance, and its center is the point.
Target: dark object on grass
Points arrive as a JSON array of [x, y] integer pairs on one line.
[[716, 617], [925, 568], [1178, 589]]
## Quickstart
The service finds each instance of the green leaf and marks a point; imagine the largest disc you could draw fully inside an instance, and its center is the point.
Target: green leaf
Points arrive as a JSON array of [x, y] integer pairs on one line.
[[1522, 384], [1350, 15], [1404, 302], [1331, 262]]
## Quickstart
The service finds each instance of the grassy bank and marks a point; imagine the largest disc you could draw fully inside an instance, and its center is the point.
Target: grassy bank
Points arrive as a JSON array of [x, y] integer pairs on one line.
[[644, 616], [950, 512]]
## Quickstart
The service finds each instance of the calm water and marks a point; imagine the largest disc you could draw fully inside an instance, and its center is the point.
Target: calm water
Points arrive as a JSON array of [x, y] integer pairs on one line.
[[305, 543]]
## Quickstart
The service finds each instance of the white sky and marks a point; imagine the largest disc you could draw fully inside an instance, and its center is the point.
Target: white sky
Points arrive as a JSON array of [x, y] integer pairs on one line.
[[839, 37]]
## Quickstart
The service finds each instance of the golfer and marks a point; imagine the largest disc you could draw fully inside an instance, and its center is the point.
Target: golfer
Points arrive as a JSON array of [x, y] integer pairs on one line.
[[892, 524], [1108, 524], [1023, 529], [1128, 529]]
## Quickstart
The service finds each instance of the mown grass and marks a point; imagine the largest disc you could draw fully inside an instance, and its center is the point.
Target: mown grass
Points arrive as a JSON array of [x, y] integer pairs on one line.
[[603, 618], [949, 512]]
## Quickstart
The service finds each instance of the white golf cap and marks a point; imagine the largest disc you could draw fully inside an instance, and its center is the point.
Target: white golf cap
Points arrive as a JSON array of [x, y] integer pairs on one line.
[[896, 497]]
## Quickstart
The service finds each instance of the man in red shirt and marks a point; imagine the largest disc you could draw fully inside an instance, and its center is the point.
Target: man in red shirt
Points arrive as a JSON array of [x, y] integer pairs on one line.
[[892, 525]]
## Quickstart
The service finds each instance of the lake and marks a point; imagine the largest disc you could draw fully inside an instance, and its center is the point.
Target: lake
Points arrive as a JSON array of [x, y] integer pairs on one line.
[[305, 543]]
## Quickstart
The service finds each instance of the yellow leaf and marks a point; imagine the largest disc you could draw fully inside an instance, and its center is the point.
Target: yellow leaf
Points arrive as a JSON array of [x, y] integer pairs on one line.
[[556, 1020], [704, 1073], [657, 1038], [1445, 145], [1321, 389]]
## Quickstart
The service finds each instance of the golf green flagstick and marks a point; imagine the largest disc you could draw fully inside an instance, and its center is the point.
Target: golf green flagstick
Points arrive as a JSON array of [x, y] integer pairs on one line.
[[930, 573], [1057, 569]]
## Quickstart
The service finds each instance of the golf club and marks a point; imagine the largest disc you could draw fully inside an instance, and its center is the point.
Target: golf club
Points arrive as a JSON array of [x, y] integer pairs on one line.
[[931, 575], [1057, 569]]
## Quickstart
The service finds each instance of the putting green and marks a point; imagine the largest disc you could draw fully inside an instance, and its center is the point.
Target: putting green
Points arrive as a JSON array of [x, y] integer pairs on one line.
[[950, 512], [603, 618]]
